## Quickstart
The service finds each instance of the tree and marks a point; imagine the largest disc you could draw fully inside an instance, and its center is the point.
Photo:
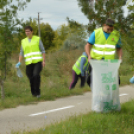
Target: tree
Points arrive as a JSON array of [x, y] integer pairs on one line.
[[77, 35], [128, 37], [47, 36], [131, 16], [98, 12], [60, 36], [8, 21]]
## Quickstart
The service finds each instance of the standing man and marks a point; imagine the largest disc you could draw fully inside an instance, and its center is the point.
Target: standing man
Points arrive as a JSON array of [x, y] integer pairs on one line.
[[33, 51], [103, 43]]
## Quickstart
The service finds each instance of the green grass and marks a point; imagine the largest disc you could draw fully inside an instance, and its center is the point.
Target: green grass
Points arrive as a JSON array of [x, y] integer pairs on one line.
[[94, 123], [55, 80], [17, 91]]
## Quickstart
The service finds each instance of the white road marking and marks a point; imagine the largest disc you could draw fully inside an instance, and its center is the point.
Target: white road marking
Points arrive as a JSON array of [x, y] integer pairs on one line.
[[53, 110], [123, 94], [58, 109]]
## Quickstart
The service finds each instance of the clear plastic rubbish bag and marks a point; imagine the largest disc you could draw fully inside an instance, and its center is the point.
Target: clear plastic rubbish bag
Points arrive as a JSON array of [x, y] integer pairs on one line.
[[19, 74], [105, 85]]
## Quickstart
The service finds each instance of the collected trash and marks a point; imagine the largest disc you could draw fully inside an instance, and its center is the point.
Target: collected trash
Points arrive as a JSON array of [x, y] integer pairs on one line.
[[105, 85], [19, 74]]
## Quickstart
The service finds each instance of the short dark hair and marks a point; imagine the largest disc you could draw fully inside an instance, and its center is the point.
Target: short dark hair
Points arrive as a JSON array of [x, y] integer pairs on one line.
[[110, 22], [29, 27]]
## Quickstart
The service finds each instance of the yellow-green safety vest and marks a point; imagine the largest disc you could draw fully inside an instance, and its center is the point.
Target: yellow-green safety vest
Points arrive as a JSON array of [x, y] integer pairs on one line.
[[32, 53], [104, 48], [76, 66]]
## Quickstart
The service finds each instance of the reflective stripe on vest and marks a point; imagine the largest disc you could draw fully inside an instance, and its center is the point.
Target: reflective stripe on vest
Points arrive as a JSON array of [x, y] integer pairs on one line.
[[103, 52], [32, 53], [76, 66], [104, 48], [33, 58]]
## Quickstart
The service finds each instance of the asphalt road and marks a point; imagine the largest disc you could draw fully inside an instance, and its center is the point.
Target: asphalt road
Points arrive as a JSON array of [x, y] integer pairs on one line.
[[24, 118]]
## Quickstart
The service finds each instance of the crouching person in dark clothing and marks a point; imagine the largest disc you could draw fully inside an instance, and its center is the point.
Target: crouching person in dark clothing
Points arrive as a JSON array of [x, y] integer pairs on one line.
[[79, 70]]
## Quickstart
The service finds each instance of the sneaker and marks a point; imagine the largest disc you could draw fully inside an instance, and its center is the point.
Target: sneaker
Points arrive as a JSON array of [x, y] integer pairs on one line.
[[38, 96]]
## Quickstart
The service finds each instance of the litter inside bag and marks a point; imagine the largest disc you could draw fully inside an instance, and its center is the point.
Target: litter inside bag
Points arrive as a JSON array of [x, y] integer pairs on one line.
[[105, 85]]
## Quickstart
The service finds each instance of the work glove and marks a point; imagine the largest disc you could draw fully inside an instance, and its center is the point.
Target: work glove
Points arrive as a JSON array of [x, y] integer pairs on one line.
[[18, 64], [131, 80]]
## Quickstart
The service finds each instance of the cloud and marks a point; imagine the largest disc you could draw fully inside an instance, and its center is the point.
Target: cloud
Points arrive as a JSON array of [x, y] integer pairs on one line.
[[54, 12]]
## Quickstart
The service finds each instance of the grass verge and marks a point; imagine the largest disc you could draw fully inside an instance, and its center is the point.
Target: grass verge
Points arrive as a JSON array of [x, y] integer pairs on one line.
[[94, 123], [55, 80]]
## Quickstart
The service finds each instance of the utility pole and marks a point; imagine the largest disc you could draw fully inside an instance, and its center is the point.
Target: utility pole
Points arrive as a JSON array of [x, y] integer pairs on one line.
[[39, 31]]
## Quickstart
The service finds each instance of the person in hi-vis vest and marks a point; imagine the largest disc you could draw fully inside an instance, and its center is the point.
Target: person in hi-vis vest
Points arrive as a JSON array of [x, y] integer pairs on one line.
[[33, 51], [79, 70], [103, 43]]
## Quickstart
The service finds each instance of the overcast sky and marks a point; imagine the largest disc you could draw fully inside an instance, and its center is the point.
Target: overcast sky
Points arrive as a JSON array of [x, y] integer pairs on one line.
[[54, 12]]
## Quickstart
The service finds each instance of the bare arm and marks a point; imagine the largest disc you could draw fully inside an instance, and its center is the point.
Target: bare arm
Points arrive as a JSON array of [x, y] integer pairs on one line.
[[20, 58], [87, 50], [119, 52], [43, 62]]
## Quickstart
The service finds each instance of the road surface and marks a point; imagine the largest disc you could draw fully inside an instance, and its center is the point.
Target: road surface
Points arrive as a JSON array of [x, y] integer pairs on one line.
[[44, 113]]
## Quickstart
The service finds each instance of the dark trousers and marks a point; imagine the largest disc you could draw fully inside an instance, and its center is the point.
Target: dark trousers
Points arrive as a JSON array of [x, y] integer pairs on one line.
[[75, 79], [89, 77], [33, 73]]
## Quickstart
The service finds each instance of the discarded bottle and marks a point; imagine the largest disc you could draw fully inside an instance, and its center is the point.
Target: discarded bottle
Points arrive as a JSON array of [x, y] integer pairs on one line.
[[19, 74]]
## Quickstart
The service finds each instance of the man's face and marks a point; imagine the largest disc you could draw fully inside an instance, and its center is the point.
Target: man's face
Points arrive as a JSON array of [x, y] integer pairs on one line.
[[108, 29], [28, 32]]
